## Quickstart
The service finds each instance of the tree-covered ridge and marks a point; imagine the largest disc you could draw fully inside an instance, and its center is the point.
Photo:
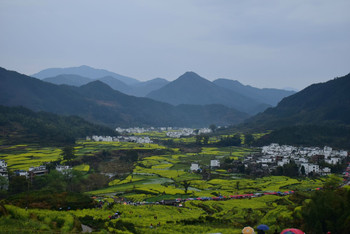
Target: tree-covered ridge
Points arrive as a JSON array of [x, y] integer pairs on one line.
[[21, 124], [309, 135], [323, 103]]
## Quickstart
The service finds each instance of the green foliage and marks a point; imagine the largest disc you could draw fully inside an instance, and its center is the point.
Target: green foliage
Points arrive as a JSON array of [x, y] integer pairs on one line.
[[309, 135], [327, 210], [230, 141], [18, 124], [68, 153]]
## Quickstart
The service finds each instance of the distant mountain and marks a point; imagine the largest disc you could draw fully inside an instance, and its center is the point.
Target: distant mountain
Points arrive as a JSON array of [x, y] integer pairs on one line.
[[84, 71], [140, 89], [143, 88], [99, 103], [116, 84], [68, 79], [323, 103], [190, 88], [267, 95], [21, 125]]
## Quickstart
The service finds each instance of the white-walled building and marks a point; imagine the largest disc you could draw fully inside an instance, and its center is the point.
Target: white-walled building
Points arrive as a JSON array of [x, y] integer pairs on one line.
[[310, 168], [194, 167], [215, 163]]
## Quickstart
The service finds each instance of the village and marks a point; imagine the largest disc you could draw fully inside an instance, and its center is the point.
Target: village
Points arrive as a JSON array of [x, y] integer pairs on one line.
[[309, 161]]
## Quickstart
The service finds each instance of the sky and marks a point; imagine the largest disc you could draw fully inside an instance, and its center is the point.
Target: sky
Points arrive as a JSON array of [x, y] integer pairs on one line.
[[270, 43]]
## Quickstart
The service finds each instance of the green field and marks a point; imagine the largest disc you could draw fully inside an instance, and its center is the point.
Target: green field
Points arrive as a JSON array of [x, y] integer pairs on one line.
[[161, 177]]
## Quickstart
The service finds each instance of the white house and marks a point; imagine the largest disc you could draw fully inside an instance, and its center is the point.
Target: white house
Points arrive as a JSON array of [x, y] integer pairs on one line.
[[332, 160], [194, 167], [310, 168], [215, 163], [3, 172], [3, 163], [284, 161], [63, 169], [325, 171]]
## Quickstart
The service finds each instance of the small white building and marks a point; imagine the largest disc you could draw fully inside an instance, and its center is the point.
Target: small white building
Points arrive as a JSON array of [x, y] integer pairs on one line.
[[310, 168], [325, 171], [333, 160], [215, 163], [283, 161], [3, 163], [194, 167], [63, 169]]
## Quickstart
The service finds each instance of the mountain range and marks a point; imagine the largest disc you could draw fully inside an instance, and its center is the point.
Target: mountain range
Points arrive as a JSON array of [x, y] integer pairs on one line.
[[189, 88], [84, 71], [99, 103]]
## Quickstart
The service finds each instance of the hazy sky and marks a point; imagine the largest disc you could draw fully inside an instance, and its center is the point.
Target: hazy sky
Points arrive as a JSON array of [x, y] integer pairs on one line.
[[289, 43]]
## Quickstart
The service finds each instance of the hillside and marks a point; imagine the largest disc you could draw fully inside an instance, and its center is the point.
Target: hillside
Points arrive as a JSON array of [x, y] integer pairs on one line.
[[97, 102], [190, 88], [138, 89], [19, 124], [116, 84], [323, 103], [143, 88], [68, 79], [266, 95], [84, 71]]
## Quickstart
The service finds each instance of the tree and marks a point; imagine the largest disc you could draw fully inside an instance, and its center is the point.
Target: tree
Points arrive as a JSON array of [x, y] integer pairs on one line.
[[18, 184], [213, 127], [205, 139], [68, 153], [186, 184], [302, 170], [327, 210], [198, 139], [3, 183], [248, 139]]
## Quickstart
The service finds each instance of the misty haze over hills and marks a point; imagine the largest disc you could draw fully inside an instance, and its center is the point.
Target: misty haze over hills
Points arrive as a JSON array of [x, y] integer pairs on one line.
[[99, 103], [189, 88], [84, 71], [193, 100]]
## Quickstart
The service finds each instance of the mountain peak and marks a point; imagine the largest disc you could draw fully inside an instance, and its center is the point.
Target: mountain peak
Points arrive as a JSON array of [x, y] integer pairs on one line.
[[96, 85]]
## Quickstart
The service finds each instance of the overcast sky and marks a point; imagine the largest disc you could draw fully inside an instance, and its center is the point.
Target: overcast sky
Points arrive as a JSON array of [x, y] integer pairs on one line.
[[289, 43]]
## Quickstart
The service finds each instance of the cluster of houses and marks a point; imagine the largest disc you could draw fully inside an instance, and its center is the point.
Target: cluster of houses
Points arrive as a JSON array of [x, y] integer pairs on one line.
[[40, 171], [32, 172], [141, 140], [171, 131], [3, 173], [184, 132], [213, 164], [308, 158]]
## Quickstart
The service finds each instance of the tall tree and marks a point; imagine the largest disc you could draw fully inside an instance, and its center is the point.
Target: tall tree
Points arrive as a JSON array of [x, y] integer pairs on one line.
[[186, 184], [68, 153]]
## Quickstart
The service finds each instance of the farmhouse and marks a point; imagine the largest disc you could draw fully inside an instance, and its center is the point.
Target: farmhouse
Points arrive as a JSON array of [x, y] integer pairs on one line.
[[310, 168], [37, 171], [3, 168], [63, 169], [214, 163], [194, 167]]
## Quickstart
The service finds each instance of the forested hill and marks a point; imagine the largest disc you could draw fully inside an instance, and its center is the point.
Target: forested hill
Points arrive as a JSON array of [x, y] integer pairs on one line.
[[99, 103], [19, 124], [323, 103], [190, 88]]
